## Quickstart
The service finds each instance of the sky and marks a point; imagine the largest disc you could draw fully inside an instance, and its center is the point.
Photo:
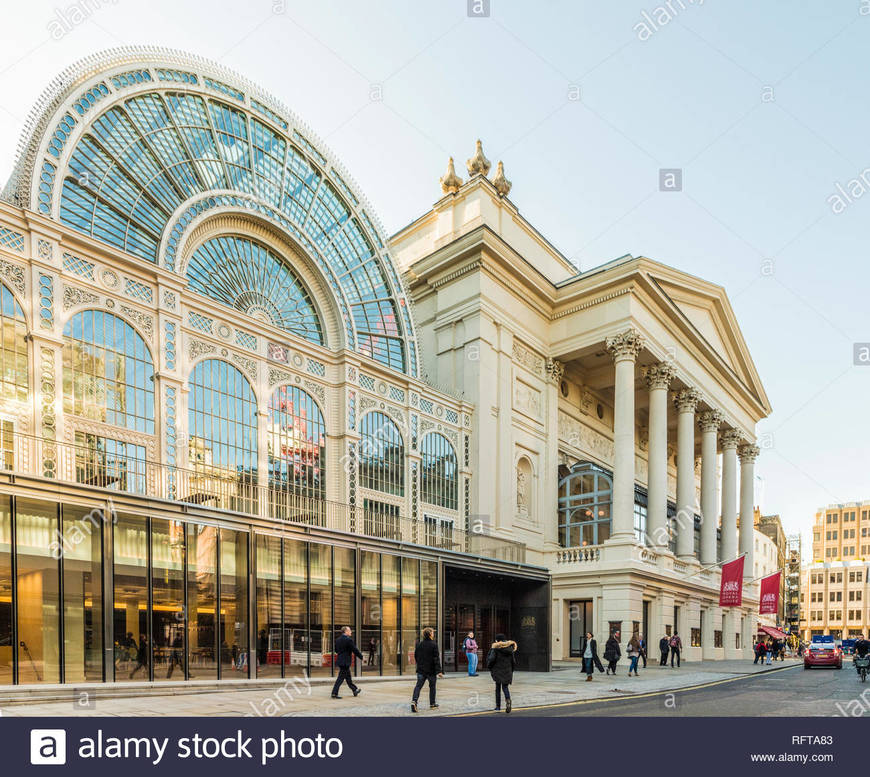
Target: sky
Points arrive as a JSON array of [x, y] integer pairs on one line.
[[762, 106]]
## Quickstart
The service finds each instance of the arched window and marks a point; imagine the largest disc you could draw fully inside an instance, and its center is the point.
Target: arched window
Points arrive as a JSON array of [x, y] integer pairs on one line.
[[13, 349], [108, 373], [381, 455], [439, 475], [585, 496], [297, 443], [249, 277], [222, 424]]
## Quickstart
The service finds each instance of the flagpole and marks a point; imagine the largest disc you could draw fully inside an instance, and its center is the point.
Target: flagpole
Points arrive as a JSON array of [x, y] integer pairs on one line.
[[769, 574], [713, 566]]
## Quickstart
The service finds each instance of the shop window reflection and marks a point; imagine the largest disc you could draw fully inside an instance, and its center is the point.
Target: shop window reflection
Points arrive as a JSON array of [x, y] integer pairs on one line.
[[130, 628], [37, 590], [83, 593], [6, 645], [320, 611], [167, 592], [370, 600], [202, 601], [269, 621], [295, 607], [233, 628]]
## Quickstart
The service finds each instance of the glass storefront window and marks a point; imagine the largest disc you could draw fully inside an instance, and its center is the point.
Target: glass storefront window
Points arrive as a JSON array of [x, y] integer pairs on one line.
[[233, 627], [410, 611], [370, 599], [83, 594], [344, 591], [6, 643], [390, 652], [202, 601], [167, 594], [295, 607], [429, 595], [38, 592], [320, 608], [269, 644], [131, 650]]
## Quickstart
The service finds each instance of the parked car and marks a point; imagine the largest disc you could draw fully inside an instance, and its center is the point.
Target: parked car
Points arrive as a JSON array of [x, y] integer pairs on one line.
[[823, 652]]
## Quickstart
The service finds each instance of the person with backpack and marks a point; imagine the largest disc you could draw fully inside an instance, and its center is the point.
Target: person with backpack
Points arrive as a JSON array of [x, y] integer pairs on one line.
[[633, 652], [676, 646], [589, 653], [471, 653], [759, 652], [501, 662], [612, 652]]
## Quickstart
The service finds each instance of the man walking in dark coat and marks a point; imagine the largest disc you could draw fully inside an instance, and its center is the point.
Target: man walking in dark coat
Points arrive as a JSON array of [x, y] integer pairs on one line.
[[427, 658], [664, 649], [345, 650]]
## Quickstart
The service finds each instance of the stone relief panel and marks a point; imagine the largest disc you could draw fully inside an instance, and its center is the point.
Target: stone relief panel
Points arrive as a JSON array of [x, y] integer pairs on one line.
[[528, 359], [74, 296], [527, 399], [581, 437]]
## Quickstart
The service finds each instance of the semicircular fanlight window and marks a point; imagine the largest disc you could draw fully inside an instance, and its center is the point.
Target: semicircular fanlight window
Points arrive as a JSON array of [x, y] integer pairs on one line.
[[247, 276]]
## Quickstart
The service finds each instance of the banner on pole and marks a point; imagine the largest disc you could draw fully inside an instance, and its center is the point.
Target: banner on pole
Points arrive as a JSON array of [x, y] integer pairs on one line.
[[731, 589], [768, 601]]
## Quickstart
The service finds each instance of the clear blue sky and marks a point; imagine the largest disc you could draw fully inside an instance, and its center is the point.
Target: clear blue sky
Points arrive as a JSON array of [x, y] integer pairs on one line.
[[695, 95]]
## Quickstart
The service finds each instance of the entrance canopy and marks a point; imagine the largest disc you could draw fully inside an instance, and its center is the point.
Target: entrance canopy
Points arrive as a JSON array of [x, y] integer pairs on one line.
[[772, 632]]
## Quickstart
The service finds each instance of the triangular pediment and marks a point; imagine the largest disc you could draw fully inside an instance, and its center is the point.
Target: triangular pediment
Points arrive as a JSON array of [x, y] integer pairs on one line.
[[705, 307]]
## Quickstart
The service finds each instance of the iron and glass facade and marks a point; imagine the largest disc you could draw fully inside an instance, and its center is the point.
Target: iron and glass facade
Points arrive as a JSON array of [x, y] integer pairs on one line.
[[215, 448]]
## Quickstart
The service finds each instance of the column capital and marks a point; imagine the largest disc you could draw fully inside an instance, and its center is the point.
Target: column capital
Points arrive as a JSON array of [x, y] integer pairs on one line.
[[624, 345], [710, 420], [659, 376], [748, 452], [555, 370], [686, 400], [731, 438]]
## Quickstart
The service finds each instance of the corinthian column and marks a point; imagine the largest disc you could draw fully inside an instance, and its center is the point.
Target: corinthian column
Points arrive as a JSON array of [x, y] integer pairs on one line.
[[748, 453], [730, 441], [686, 401], [658, 379], [709, 422], [624, 348]]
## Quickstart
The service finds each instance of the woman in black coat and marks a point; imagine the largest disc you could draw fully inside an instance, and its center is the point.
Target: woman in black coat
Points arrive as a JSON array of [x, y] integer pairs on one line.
[[589, 654], [612, 653], [501, 663]]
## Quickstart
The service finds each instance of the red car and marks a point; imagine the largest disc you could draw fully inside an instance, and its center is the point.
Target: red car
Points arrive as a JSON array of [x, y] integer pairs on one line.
[[823, 654]]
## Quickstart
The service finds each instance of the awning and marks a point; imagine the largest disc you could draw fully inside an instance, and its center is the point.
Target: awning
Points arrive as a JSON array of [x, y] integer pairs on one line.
[[772, 632]]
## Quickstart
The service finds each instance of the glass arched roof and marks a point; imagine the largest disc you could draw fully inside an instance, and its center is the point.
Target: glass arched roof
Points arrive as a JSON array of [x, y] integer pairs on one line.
[[247, 276], [120, 148]]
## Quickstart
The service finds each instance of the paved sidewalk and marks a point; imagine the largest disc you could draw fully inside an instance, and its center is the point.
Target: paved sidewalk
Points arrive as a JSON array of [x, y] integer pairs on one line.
[[457, 693]]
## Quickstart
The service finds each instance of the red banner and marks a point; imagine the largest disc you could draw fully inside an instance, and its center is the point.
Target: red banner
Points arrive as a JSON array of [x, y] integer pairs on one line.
[[768, 600], [731, 590]]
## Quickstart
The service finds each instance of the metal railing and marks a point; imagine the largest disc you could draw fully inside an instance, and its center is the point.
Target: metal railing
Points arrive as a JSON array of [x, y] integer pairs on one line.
[[212, 487]]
